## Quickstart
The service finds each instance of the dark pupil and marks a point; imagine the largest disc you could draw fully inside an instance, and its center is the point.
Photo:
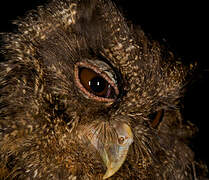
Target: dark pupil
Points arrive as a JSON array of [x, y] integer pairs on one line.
[[97, 84]]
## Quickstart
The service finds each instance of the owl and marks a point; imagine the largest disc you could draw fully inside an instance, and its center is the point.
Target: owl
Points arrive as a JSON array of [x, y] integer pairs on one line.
[[86, 95]]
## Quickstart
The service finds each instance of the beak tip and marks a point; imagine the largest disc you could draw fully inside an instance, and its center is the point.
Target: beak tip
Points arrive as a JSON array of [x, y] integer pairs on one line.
[[108, 174], [111, 170], [105, 176]]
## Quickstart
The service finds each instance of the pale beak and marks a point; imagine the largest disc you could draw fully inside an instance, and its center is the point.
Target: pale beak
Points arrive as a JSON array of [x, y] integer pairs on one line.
[[114, 153], [112, 141]]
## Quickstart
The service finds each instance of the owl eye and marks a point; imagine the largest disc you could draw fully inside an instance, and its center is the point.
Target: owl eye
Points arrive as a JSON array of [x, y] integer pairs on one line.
[[156, 118], [95, 83]]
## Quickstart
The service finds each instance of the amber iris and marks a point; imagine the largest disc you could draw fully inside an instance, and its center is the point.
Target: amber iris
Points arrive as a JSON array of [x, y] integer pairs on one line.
[[95, 83]]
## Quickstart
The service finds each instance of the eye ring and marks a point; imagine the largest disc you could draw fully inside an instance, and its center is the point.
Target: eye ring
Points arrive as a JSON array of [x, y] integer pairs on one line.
[[102, 74]]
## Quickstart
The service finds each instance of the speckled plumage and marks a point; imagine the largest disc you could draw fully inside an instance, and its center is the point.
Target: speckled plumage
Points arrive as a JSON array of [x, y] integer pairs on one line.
[[45, 118]]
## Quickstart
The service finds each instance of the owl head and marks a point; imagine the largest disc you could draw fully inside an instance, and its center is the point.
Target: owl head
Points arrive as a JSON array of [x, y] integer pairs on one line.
[[85, 94]]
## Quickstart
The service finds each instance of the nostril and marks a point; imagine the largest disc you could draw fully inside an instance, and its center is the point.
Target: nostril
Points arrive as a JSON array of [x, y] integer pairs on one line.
[[121, 140]]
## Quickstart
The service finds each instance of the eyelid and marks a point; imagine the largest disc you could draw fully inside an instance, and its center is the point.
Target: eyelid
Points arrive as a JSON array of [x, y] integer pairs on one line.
[[103, 73]]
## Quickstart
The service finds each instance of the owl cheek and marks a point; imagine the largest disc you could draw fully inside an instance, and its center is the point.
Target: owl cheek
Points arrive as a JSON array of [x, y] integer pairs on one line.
[[112, 141]]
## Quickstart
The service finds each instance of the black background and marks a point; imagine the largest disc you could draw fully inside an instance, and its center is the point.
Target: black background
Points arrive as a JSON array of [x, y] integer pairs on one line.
[[182, 26]]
